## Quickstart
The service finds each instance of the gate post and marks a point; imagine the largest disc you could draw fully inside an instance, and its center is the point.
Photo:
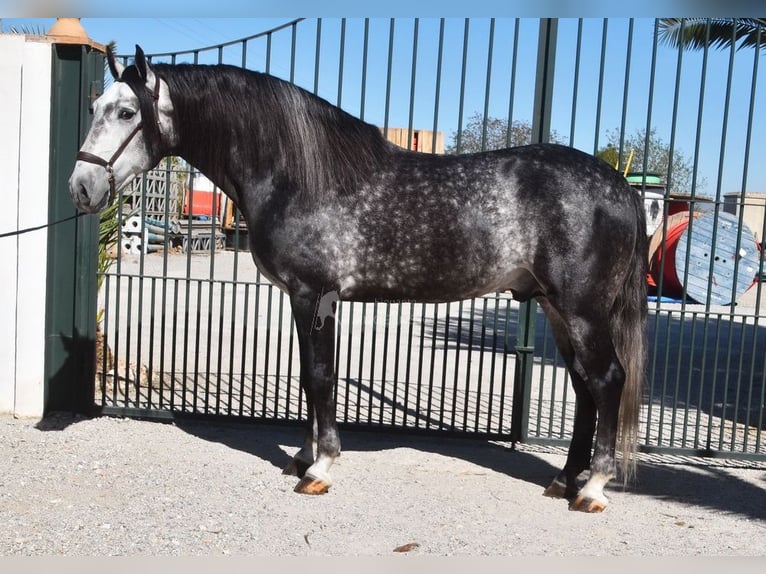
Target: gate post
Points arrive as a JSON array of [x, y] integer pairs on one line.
[[525, 336], [71, 297]]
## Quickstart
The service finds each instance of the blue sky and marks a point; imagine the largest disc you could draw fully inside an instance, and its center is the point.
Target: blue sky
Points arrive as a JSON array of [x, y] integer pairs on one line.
[[162, 35]]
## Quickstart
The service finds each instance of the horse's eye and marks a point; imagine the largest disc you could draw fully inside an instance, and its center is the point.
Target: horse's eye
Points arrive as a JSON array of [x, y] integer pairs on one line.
[[126, 114]]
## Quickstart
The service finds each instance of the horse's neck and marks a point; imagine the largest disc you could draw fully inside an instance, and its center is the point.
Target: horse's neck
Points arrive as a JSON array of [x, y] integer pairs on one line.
[[300, 150]]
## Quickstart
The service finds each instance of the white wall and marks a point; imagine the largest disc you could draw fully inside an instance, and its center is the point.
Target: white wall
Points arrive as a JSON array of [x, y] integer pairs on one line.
[[25, 98]]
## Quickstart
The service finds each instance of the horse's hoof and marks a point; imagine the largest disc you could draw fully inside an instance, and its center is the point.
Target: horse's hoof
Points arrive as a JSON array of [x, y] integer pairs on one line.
[[309, 485], [295, 468], [584, 504]]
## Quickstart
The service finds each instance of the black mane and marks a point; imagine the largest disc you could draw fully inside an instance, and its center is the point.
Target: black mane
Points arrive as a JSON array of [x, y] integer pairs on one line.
[[277, 128]]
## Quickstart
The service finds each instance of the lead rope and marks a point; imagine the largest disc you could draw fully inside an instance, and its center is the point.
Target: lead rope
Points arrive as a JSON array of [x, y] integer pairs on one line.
[[38, 227]]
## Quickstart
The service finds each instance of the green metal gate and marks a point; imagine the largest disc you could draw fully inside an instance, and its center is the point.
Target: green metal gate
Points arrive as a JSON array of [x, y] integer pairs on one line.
[[70, 324], [194, 330]]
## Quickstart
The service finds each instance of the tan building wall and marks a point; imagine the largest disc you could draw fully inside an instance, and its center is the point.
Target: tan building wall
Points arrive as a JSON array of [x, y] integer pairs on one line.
[[754, 210], [422, 140]]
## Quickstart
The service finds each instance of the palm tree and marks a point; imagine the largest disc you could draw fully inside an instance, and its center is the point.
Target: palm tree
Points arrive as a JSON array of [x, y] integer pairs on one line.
[[717, 33]]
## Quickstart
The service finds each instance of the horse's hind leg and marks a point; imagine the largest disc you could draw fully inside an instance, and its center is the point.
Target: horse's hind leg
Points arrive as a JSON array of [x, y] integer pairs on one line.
[[316, 346], [578, 458], [598, 378]]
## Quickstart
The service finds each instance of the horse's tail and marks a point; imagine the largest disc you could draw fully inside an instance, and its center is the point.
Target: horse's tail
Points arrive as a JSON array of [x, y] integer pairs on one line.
[[629, 335]]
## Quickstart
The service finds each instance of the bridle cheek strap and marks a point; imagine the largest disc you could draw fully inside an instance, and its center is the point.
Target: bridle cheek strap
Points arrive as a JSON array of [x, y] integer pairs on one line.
[[108, 165]]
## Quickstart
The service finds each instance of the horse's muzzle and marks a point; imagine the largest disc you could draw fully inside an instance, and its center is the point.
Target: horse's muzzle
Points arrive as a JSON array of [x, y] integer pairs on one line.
[[83, 189]]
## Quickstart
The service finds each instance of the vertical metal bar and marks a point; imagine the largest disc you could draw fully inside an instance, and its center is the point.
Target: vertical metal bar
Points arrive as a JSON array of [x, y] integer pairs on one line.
[[365, 54], [689, 382], [278, 366], [541, 387], [480, 373], [488, 82], [341, 57], [421, 346], [576, 82], [150, 366], [493, 361], [360, 372], [197, 344], [413, 76], [432, 366], [387, 108], [719, 179], [701, 382], [600, 96], [522, 374], [117, 336], [541, 127], [738, 387], [657, 309], [290, 349], [762, 402], [407, 370], [169, 173], [459, 135], [384, 369], [220, 353], [373, 354], [337, 350], [243, 359], [512, 87], [439, 61], [626, 88], [666, 362], [458, 345], [256, 331], [469, 360], [745, 169], [504, 373], [713, 386], [128, 333], [174, 346], [267, 353], [398, 339], [293, 34], [445, 354], [317, 55], [346, 402], [105, 370]]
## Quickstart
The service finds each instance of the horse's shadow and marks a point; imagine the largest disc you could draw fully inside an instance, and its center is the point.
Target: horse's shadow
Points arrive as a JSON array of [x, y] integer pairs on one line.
[[703, 485]]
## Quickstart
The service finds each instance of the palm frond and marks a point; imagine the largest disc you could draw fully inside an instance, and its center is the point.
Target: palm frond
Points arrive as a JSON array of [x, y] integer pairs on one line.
[[28, 30], [716, 33]]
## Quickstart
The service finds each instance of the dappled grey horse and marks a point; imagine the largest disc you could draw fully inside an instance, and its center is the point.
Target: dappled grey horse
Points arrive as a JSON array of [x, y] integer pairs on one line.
[[334, 209]]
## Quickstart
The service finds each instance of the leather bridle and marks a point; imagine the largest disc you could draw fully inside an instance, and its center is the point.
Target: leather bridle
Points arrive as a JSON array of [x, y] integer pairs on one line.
[[108, 165]]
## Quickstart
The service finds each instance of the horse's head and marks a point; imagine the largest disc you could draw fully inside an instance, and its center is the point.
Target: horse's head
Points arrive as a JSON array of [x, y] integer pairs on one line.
[[132, 130]]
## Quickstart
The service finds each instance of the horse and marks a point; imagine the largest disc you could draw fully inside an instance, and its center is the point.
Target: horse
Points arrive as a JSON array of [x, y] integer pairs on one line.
[[333, 208]]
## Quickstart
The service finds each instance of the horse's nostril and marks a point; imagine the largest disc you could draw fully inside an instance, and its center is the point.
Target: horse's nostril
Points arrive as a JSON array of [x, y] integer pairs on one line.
[[83, 192]]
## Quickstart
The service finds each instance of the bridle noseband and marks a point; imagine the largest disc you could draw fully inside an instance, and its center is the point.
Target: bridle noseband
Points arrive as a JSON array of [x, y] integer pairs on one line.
[[108, 165]]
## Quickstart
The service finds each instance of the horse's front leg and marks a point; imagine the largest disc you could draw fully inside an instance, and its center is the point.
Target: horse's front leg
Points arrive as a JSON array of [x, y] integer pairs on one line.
[[316, 346]]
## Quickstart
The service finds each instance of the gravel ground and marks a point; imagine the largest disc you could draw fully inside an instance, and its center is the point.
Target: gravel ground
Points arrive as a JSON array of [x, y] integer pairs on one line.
[[107, 486]]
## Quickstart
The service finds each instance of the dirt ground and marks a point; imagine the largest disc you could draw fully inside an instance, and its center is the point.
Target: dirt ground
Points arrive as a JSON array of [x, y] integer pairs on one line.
[[108, 486]]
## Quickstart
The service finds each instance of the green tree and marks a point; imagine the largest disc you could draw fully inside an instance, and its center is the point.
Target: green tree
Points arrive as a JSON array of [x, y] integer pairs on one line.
[[650, 155], [496, 135], [716, 33]]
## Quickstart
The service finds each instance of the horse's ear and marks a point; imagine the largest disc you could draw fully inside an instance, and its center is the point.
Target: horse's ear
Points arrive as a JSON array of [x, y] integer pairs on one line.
[[144, 71], [115, 67]]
